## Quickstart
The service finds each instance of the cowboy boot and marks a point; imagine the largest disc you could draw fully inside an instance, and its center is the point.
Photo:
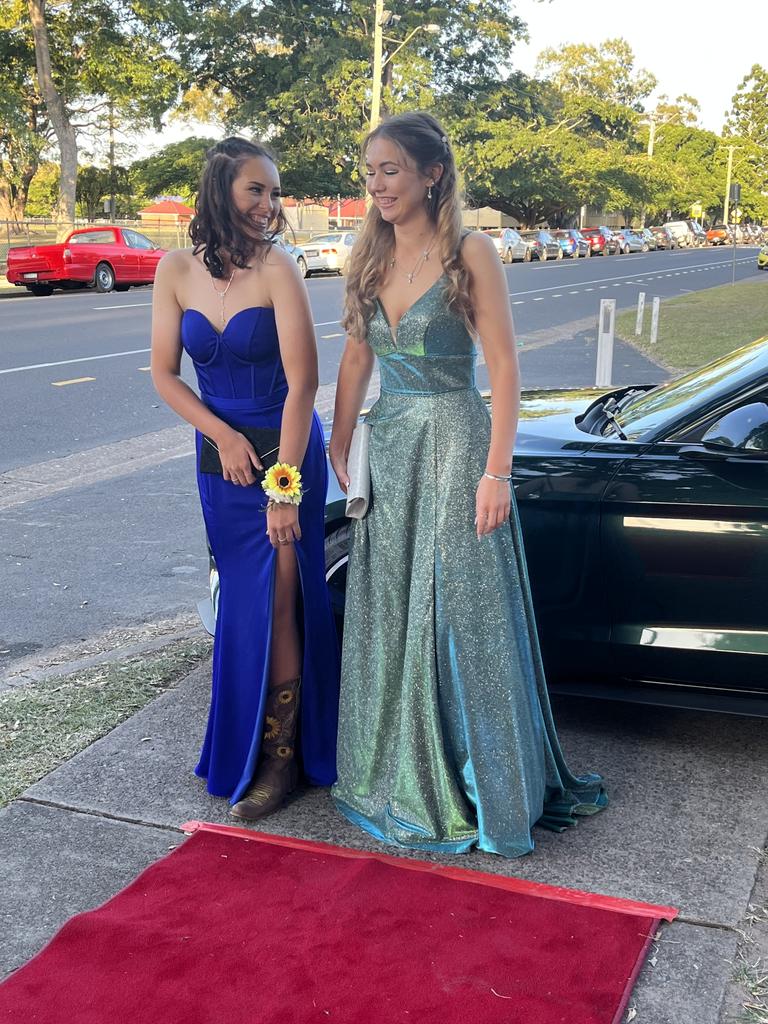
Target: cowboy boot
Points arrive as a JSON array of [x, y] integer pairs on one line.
[[278, 773]]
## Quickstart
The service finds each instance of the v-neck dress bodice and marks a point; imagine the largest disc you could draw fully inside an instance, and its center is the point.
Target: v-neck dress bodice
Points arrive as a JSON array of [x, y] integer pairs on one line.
[[432, 351]]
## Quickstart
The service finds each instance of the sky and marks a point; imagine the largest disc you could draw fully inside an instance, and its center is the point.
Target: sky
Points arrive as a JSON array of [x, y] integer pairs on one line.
[[689, 48], [679, 41]]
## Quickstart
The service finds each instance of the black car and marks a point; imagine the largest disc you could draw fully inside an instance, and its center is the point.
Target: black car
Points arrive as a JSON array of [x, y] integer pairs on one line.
[[645, 519]]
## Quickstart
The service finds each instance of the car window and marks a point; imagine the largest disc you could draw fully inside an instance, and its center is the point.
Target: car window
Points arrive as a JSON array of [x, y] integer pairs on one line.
[[92, 238], [692, 436], [137, 241], [326, 238], [667, 402], [349, 240]]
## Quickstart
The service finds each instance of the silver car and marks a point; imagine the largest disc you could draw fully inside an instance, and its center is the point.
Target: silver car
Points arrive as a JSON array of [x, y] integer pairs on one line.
[[509, 245], [329, 252]]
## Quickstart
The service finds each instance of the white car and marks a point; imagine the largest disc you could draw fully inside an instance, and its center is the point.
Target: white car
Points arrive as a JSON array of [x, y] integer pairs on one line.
[[329, 252]]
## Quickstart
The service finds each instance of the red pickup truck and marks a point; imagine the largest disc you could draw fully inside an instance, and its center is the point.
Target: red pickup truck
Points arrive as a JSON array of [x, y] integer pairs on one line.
[[105, 257]]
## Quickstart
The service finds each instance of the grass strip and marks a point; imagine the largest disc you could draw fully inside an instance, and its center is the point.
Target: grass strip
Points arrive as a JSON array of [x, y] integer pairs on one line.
[[701, 326], [46, 723]]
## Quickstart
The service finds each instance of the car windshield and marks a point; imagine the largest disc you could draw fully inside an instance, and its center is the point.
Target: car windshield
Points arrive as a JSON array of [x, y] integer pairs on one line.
[[650, 410], [326, 238]]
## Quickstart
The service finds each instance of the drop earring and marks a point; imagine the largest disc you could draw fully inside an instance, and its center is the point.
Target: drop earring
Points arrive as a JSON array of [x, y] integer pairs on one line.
[[429, 191]]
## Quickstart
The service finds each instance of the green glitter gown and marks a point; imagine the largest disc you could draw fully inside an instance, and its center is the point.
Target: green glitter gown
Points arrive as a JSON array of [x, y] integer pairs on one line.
[[446, 737]]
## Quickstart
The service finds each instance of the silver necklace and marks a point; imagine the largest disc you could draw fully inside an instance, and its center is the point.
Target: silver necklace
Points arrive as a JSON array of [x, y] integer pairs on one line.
[[222, 296], [419, 262]]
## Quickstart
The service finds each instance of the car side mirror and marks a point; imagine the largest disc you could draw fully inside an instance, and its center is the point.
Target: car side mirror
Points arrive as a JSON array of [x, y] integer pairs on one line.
[[744, 429]]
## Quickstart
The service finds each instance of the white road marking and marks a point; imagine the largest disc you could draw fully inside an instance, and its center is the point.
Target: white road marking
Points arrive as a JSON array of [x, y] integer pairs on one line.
[[325, 336], [124, 305], [82, 359], [145, 369], [518, 303], [540, 299]]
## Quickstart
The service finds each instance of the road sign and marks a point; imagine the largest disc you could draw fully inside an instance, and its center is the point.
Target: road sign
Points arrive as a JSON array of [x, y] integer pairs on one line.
[[736, 215], [696, 210], [735, 192]]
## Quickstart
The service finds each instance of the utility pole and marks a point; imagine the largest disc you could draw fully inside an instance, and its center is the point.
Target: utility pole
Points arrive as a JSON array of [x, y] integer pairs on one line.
[[378, 56], [112, 188], [651, 135], [728, 184]]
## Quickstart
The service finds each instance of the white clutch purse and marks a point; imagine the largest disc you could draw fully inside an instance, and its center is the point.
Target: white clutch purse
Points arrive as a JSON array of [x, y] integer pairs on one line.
[[359, 473]]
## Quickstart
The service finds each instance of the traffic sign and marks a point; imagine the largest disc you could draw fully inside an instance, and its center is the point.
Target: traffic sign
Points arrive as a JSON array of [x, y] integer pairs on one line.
[[696, 210]]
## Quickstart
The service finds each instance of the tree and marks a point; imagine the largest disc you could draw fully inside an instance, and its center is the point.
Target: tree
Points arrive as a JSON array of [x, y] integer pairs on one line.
[[24, 128], [748, 117], [98, 60], [605, 73], [57, 111], [174, 170], [299, 73]]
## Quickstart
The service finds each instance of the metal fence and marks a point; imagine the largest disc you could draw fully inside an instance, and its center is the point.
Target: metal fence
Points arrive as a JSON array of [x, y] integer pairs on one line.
[[44, 232]]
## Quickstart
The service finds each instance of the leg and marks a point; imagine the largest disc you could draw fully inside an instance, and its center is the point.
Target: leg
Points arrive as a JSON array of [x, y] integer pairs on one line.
[[285, 656], [277, 773]]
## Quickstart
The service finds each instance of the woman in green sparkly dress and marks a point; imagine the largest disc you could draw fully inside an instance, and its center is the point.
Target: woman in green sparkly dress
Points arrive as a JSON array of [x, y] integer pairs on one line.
[[446, 738]]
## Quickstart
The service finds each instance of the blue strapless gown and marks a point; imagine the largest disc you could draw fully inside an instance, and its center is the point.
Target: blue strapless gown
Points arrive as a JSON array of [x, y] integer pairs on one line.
[[241, 379]]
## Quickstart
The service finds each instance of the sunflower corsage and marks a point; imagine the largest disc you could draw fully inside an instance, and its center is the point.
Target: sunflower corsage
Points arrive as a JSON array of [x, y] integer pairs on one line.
[[282, 484]]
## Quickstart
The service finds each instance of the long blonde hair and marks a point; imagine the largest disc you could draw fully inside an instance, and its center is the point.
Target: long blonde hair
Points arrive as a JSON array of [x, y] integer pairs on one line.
[[421, 138]]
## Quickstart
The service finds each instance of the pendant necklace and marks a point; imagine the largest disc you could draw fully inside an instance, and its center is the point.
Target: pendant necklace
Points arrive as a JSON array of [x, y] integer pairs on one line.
[[222, 296], [419, 262]]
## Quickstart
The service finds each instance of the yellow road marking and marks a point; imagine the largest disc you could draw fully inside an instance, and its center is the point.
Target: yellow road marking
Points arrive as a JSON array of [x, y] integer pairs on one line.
[[75, 380]]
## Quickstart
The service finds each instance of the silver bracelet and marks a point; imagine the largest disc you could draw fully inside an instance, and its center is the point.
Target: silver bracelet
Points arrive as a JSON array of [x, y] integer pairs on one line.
[[503, 479]]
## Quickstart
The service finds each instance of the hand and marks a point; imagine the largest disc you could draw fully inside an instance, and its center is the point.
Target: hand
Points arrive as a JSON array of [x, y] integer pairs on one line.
[[493, 503], [283, 524], [338, 454], [238, 458]]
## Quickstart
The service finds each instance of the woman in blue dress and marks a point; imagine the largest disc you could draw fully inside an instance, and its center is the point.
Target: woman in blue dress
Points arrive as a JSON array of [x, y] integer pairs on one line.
[[237, 305], [446, 738]]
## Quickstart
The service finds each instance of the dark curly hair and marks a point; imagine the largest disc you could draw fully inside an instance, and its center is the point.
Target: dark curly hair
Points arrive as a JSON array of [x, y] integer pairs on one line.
[[217, 226]]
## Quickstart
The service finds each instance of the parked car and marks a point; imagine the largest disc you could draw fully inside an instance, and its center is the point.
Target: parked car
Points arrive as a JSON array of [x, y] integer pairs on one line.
[[762, 258], [509, 245], [719, 234], [649, 236], [630, 241], [698, 234], [104, 257], [602, 240], [664, 237], [329, 252], [682, 233], [542, 245], [573, 243], [644, 512], [293, 250], [755, 234]]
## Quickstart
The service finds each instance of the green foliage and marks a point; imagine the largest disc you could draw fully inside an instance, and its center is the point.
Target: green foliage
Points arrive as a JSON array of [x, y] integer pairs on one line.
[[44, 191], [173, 171]]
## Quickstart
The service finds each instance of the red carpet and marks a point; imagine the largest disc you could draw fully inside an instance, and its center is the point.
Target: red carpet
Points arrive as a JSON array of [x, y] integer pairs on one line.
[[266, 930]]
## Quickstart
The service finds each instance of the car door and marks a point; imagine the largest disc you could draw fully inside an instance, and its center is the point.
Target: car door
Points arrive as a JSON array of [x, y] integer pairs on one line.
[[89, 248], [141, 250], [684, 538]]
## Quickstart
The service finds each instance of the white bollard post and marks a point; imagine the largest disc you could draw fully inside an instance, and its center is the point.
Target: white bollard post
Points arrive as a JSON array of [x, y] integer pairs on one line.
[[605, 343], [655, 320], [640, 312]]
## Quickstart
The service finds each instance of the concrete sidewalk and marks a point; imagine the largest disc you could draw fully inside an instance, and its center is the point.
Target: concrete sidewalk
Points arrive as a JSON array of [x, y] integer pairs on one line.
[[686, 826]]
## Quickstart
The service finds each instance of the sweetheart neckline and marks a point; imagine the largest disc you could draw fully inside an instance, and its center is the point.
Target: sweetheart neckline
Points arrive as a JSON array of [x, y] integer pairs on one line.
[[246, 309]]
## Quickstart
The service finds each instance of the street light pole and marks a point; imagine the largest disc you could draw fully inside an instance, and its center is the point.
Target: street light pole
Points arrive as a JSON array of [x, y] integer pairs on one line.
[[378, 55]]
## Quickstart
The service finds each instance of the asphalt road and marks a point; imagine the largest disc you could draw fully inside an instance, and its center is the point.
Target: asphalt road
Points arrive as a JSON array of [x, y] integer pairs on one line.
[[100, 528], [74, 366]]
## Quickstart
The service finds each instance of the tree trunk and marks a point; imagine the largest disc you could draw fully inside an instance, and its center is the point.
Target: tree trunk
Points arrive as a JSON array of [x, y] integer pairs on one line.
[[58, 113]]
